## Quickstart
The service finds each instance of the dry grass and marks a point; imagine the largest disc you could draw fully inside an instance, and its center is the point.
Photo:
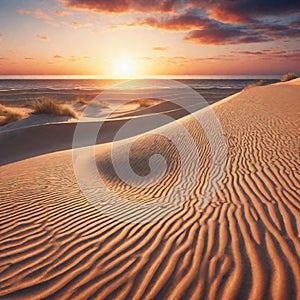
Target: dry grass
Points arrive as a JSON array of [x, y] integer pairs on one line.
[[81, 101], [52, 108], [258, 83], [8, 115], [288, 76], [147, 102]]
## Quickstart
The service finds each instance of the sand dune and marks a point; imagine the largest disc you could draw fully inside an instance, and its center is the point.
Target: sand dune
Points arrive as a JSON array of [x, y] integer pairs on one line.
[[41, 134], [242, 245]]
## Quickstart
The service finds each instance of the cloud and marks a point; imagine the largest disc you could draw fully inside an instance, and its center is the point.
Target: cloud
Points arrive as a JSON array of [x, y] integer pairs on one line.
[[249, 52], [177, 60], [71, 58], [218, 34], [211, 22], [75, 24], [184, 22], [37, 13], [246, 11], [295, 24], [42, 37], [123, 6], [182, 61], [243, 11], [61, 13], [159, 48], [271, 54], [259, 53], [147, 58], [207, 31], [292, 55], [290, 33]]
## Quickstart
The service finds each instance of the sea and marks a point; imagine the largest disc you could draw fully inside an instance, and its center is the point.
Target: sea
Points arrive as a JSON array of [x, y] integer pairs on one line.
[[16, 90]]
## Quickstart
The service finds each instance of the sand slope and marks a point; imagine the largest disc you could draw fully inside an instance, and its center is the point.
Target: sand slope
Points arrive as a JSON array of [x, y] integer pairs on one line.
[[243, 245], [46, 134]]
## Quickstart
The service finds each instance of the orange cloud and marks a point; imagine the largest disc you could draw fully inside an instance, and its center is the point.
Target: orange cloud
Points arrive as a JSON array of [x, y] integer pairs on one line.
[[73, 24], [70, 58], [61, 13], [122, 6], [160, 48], [42, 37], [37, 13], [76, 58]]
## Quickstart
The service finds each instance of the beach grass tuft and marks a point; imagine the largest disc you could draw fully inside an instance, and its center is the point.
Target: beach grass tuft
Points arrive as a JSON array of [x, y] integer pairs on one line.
[[8, 115], [81, 101], [288, 77], [50, 107], [258, 83]]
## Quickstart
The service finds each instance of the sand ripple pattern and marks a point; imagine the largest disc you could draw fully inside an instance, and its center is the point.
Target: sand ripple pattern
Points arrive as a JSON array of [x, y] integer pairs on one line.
[[243, 245]]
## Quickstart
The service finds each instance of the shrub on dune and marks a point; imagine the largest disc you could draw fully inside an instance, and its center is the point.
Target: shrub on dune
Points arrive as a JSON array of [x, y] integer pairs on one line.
[[258, 83], [8, 115], [288, 76], [52, 108]]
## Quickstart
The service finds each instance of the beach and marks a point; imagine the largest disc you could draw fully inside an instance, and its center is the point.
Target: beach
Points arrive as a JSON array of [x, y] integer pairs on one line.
[[242, 244]]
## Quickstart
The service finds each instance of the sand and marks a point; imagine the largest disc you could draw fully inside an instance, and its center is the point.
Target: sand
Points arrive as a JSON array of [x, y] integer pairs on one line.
[[244, 244]]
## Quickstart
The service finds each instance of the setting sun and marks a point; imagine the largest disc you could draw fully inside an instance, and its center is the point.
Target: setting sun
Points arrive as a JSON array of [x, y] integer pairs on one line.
[[124, 67]]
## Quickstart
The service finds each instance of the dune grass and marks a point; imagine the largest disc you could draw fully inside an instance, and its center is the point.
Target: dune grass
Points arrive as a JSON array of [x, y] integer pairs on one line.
[[81, 101], [147, 102], [288, 77], [8, 115], [50, 107], [258, 83]]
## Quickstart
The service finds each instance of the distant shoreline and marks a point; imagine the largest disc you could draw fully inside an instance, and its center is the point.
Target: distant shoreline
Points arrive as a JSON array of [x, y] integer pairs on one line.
[[175, 77], [22, 92]]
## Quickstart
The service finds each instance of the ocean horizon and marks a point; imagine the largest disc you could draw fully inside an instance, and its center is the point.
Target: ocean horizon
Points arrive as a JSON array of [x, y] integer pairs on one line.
[[14, 89], [225, 76]]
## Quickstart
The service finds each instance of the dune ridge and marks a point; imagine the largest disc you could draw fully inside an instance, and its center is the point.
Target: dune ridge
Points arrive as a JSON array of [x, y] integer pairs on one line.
[[242, 245]]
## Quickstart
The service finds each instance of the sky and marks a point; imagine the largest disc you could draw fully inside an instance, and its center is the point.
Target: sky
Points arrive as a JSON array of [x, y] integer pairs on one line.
[[127, 38]]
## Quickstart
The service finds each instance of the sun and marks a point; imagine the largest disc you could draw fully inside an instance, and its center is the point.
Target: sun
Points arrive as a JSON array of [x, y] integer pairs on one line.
[[124, 67]]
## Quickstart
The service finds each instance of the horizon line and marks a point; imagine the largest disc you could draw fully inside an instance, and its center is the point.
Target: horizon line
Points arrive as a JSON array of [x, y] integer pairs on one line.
[[171, 76]]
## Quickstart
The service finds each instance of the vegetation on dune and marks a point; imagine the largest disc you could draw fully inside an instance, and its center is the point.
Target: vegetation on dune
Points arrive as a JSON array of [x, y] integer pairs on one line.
[[52, 108], [8, 115], [258, 83], [288, 76], [81, 101], [147, 102]]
